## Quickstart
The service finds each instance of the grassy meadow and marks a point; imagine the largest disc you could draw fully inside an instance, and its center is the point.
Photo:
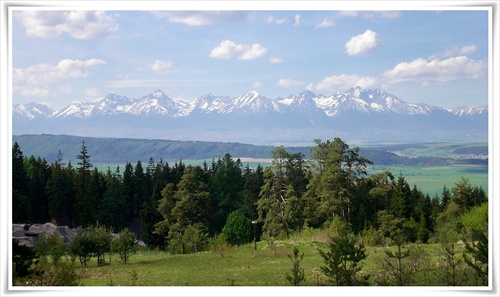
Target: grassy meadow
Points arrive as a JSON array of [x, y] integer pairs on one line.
[[244, 266]]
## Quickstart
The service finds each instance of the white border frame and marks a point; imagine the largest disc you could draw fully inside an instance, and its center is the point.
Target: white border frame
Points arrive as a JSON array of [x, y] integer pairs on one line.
[[6, 144]]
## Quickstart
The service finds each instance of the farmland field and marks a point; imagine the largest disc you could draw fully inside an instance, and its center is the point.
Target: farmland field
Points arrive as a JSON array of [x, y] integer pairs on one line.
[[432, 179]]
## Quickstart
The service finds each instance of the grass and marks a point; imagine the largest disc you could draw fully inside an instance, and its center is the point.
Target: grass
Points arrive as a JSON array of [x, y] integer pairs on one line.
[[244, 266]]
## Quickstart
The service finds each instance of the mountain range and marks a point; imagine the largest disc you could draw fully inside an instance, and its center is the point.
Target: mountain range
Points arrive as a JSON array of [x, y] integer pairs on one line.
[[356, 115]]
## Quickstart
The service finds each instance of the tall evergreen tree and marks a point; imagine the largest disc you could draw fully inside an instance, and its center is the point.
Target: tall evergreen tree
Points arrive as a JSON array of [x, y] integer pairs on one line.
[[38, 174], [280, 205], [186, 206], [337, 170], [84, 206], [20, 189], [112, 212], [226, 190], [60, 190], [253, 181]]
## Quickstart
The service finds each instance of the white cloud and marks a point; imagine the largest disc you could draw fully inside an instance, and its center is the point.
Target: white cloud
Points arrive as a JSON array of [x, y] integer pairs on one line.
[[350, 13], [297, 20], [276, 60], [362, 44], [326, 23], [160, 66], [276, 21], [200, 18], [93, 93], [35, 80], [436, 71], [287, 83], [257, 85], [81, 24], [455, 51], [380, 14], [341, 82], [229, 49]]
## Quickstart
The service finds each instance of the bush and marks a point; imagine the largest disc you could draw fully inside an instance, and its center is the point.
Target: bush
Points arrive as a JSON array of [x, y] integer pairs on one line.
[[81, 247], [238, 229], [124, 244], [23, 258]]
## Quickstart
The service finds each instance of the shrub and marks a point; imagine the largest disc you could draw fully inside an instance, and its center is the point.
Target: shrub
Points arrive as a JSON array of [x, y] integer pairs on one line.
[[238, 229], [124, 244]]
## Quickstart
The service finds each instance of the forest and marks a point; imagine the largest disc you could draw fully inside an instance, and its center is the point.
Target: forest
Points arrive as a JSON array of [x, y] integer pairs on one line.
[[182, 207]]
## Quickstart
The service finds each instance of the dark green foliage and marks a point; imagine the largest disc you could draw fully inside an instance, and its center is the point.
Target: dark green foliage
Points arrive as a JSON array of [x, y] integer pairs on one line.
[[38, 173], [476, 255], [342, 259], [238, 229], [82, 247], [112, 212], [297, 276], [100, 237], [23, 258], [20, 190], [61, 191], [85, 199], [50, 246], [280, 205], [124, 244], [397, 267]]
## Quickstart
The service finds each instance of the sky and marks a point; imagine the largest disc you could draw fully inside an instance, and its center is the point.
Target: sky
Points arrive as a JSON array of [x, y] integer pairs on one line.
[[438, 57]]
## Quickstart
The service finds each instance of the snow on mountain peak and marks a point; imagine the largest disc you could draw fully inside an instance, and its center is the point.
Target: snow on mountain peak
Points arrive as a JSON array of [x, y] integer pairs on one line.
[[252, 102]]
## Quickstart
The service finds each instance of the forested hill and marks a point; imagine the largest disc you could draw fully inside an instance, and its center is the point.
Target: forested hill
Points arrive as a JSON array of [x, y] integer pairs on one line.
[[121, 150]]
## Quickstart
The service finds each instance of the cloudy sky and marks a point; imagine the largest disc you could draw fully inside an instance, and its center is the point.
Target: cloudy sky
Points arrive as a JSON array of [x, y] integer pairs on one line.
[[436, 57]]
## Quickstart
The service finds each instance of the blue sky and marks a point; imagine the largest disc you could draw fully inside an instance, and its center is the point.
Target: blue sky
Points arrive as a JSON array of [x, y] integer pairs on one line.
[[438, 57]]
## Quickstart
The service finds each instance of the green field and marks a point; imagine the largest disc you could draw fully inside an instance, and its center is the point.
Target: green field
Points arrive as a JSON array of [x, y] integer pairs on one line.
[[432, 179], [244, 266]]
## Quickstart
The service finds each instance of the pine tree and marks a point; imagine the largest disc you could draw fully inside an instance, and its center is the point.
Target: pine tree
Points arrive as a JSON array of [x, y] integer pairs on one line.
[[342, 259], [19, 186], [85, 203]]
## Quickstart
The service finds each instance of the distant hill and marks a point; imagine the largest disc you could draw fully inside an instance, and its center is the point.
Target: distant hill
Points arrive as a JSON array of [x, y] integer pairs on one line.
[[121, 150]]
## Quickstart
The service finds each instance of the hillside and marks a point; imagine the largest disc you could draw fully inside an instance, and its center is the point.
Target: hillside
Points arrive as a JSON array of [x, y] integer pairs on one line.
[[121, 150]]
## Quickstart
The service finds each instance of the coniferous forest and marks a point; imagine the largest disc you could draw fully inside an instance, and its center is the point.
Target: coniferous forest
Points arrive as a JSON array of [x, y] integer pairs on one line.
[[181, 207]]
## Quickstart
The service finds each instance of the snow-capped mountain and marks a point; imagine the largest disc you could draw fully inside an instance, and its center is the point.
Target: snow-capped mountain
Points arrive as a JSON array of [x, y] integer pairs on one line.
[[356, 113], [32, 110], [468, 111], [252, 102]]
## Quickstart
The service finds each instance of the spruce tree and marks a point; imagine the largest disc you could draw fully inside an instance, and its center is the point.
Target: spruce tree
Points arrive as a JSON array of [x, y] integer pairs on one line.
[[85, 203]]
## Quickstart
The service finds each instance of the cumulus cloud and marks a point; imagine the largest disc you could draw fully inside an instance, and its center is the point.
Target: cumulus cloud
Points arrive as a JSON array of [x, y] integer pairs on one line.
[[326, 23], [362, 44], [200, 18], [335, 83], [276, 60], [427, 72], [229, 49], [287, 83], [35, 80], [160, 66], [81, 24]]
